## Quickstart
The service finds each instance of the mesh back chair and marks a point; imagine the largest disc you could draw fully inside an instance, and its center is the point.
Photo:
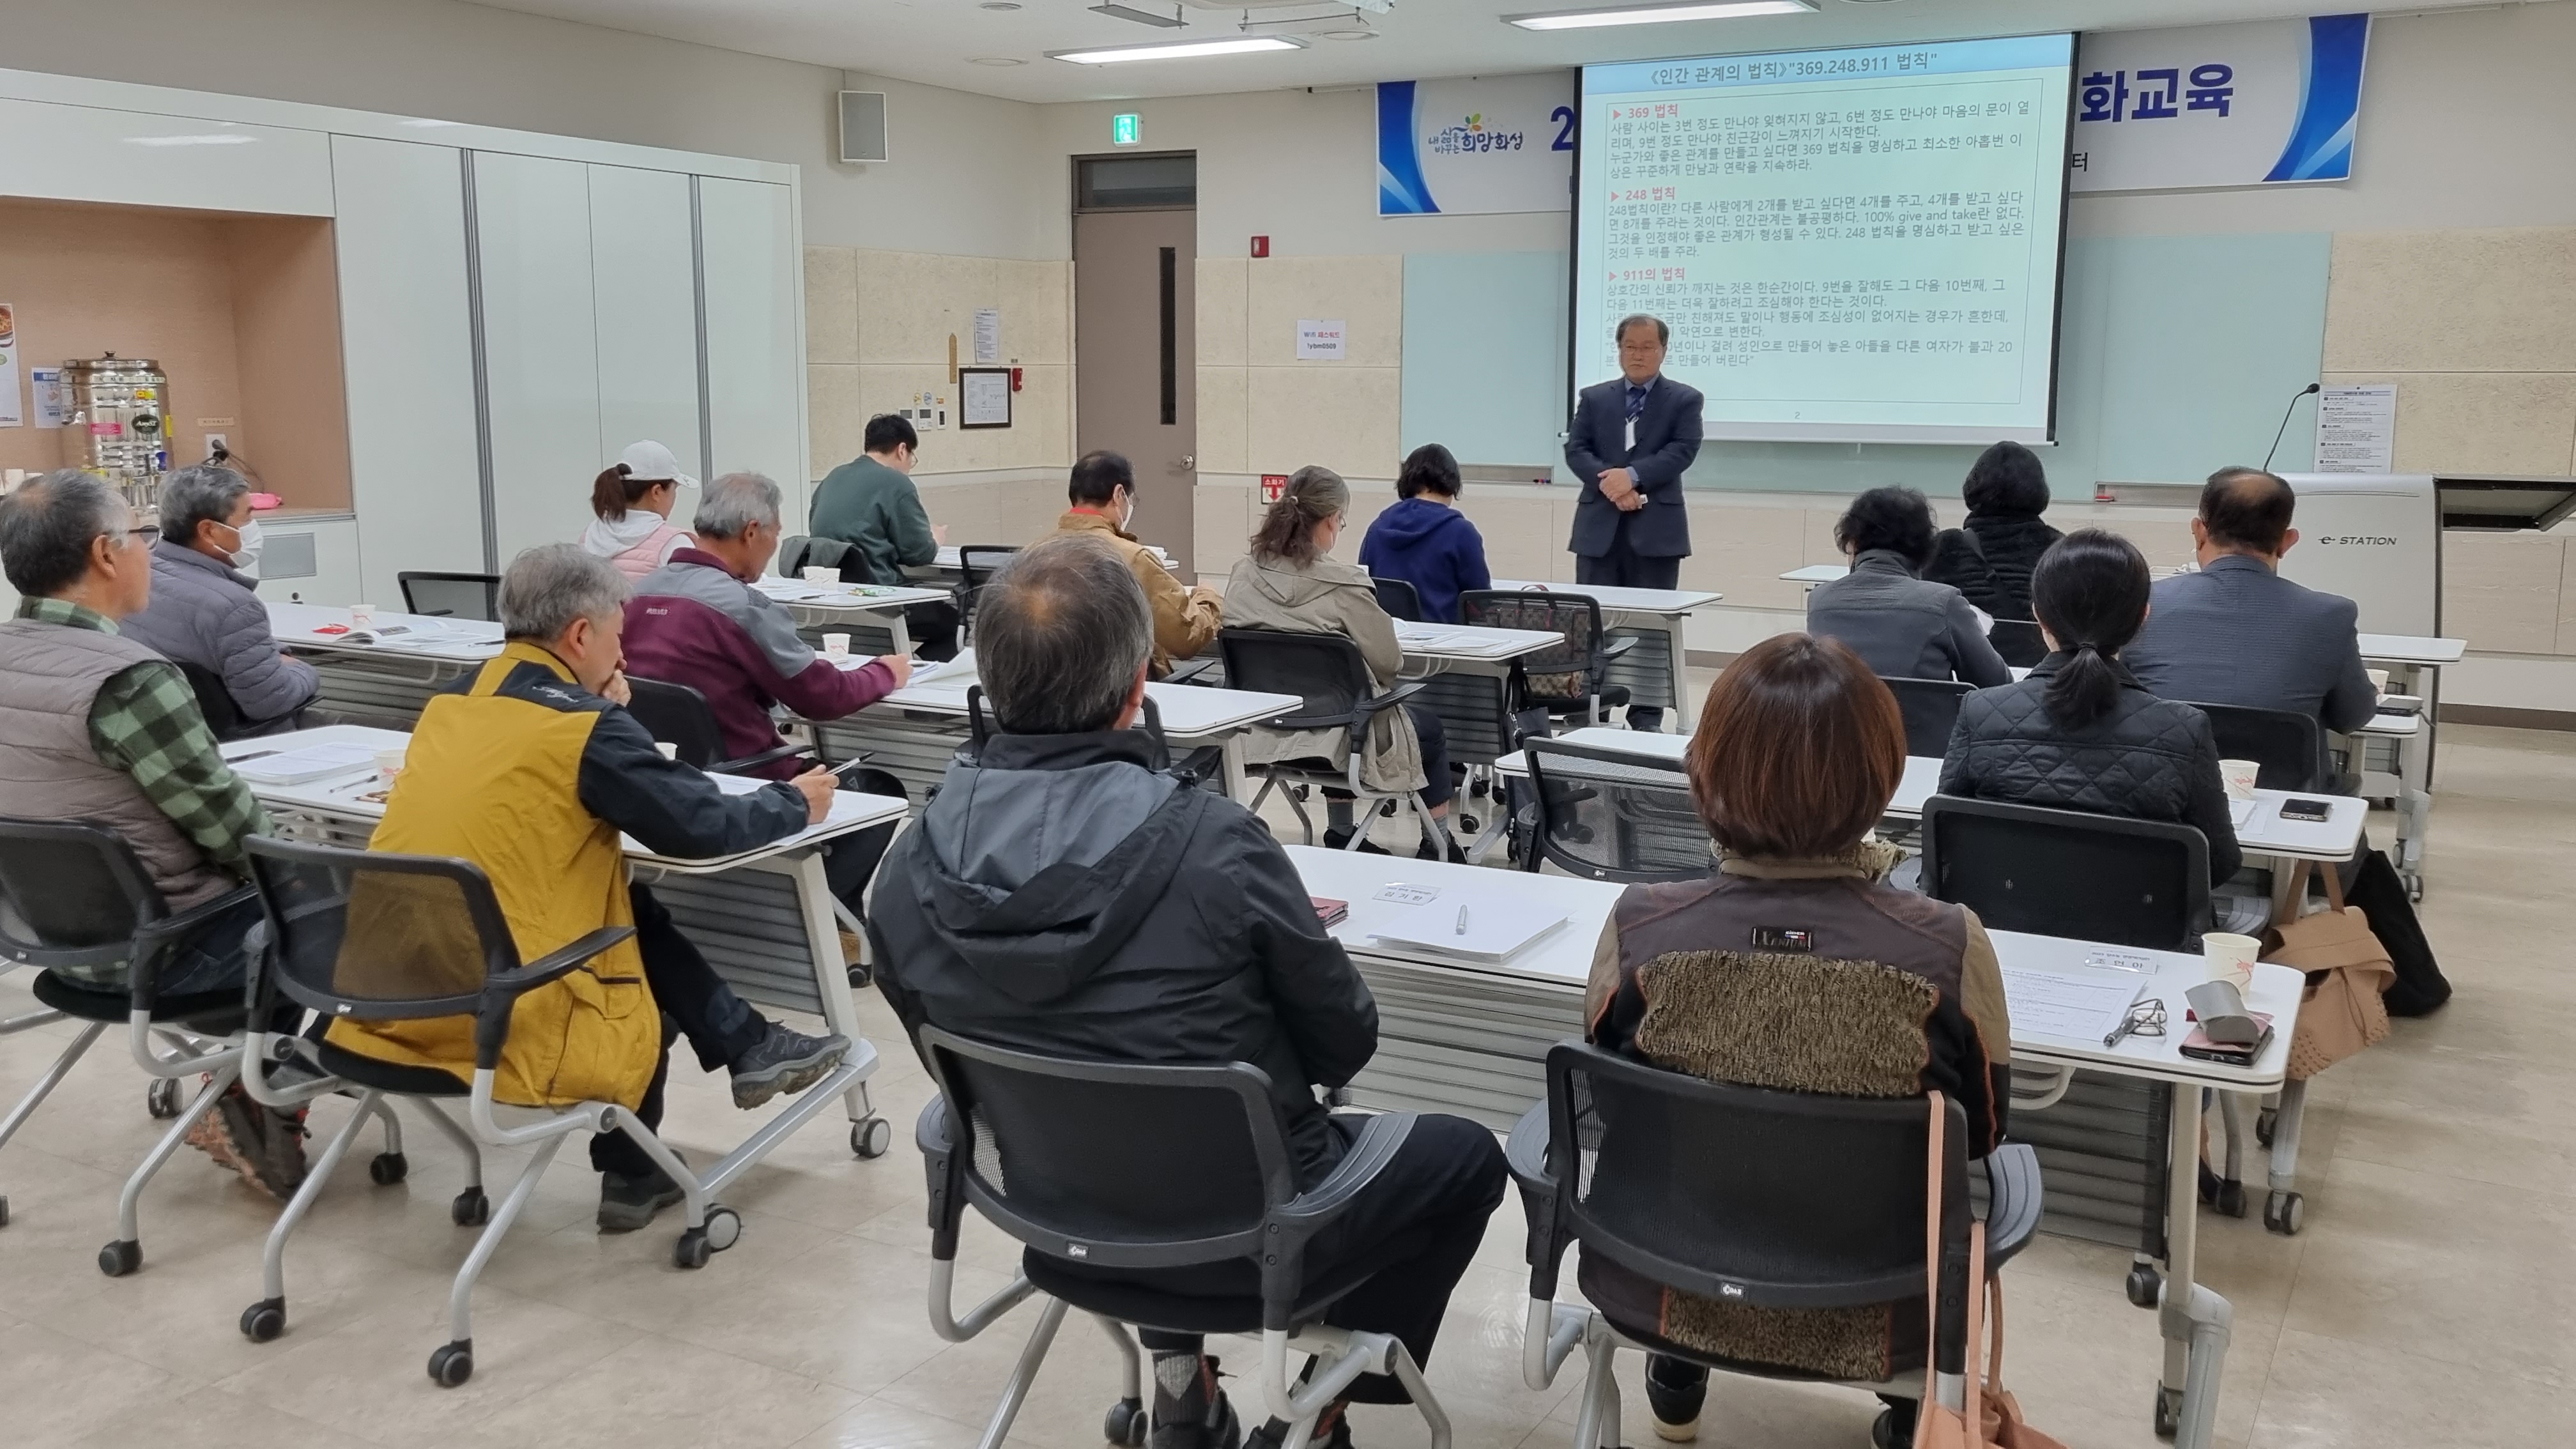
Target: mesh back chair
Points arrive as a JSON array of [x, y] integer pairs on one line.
[[2018, 641], [679, 716], [214, 701], [1930, 708], [1399, 598], [364, 936], [78, 906], [1605, 815], [802, 552], [1116, 1166], [1763, 1199], [2069, 872], [1568, 678], [452, 596], [2289, 745], [976, 565], [1328, 672]]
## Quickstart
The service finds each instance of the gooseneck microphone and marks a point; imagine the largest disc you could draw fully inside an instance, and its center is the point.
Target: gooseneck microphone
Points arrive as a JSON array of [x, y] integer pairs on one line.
[[2311, 388]]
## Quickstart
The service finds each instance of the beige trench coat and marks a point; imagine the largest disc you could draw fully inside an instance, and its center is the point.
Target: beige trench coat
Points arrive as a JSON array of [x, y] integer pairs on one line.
[[1328, 597]]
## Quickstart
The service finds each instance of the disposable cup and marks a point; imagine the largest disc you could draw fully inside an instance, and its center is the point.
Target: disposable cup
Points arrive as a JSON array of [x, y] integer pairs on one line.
[[362, 616], [389, 763], [2230, 957], [2240, 776], [822, 574], [837, 645], [2378, 681]]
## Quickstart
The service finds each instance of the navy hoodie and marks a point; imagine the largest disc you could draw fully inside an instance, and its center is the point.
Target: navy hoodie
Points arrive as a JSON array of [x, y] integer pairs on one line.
[[1431, 546]]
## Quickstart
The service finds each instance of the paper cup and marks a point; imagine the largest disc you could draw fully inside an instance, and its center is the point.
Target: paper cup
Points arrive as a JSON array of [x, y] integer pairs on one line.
[[2240, 776], [362, 616], [669, 750], [2231, 957], [822, 574], [2378, 680], [837, 645], [389, 763]]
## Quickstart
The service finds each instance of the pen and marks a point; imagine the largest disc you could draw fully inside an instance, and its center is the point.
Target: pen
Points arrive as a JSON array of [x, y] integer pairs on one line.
[[2115, 1038], [1462, 920]]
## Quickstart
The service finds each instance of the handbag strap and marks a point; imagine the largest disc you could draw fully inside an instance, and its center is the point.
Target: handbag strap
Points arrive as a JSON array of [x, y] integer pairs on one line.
[[1972, 1379]]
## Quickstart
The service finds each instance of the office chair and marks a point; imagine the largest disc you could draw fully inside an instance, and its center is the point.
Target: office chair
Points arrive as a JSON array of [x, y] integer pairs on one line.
[[452, 596], [676, 714], [2018, 641], [1930, 708], [1604, 815], [1328, 672], [368, 936], [797, 554], [214, 701], [1085, 1162], [1400, 599], [77, 905], [1754, 1199], [2289, 745], [1569, 678], [976, 565], [2069, 872]]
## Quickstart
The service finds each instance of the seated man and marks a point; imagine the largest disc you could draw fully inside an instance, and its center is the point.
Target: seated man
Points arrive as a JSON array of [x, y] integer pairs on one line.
[[1062, 896], [530, 767], [1103, 498], [872, 504], [96, 727], [203, 612], [698, 621]]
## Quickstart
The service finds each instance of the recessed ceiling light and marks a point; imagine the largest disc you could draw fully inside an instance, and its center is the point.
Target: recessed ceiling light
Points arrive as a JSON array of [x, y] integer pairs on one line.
[[1347, 34], [999, 5], [1180, 50], [1659, 14], [1116, 11], [996, 60]]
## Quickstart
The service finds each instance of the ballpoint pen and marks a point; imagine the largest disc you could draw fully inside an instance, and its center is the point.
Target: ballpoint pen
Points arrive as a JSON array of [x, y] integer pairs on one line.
[[1462, 921], [2127, 1025]]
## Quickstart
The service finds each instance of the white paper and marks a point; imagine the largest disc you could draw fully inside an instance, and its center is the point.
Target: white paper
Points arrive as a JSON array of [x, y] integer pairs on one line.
[[2118, 959], [847, 805], [313, 762], [2075, 1005], [1482, 925], [985, 398], [2357, 428], [52, 403], [1408, 895], [2242, 811], [988, 334], [13, 413], [1320, 339]]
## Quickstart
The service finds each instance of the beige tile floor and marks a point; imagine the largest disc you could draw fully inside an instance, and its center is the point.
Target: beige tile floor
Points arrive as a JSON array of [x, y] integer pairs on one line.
[[2432, 1298]]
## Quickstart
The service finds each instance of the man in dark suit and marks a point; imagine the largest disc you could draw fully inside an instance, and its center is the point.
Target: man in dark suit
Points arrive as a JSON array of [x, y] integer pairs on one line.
[[2237, 632], [1630, 441]]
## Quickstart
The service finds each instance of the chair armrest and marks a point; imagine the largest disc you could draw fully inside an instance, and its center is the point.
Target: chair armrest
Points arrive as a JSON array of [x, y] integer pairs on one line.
[[1526, 1151], [944, 1171], [749, 763], [501, 993], [1397, 695], [155, 941], [1615, 648], [2013, 1198], [1188, 673], [1379, 1140]]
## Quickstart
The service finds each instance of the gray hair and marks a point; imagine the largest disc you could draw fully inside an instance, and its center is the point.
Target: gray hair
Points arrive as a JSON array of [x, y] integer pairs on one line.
[[735, 502], [46, 525], [1060, 632], [551, 585], [196, 494], [1663, 334]]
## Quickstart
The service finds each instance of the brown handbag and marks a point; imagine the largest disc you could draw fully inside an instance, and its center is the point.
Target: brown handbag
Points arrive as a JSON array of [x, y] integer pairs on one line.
[[1997, 1419], [2341, 1011]]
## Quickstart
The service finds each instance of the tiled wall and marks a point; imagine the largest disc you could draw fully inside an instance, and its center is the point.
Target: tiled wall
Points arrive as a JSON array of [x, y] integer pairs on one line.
[[1263, 411]]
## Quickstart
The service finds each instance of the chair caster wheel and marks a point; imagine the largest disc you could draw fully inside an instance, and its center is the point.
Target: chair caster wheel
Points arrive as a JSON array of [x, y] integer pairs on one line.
[[120, 1257], [470, 1208], [264, 1320], [452, 1364], [2283, 1212], [4, 1212], [161, 1099], [2168, 1412], [2145, 1285], [691, 1251], [861, 978], [1125, 1426], [388, 1168], [2229, 1200], [872, 1137], [2266, 1123], [1882, 1431], [723, 1229]]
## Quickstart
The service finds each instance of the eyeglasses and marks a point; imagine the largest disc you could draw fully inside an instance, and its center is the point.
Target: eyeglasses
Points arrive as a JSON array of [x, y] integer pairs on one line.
[[150, 533]]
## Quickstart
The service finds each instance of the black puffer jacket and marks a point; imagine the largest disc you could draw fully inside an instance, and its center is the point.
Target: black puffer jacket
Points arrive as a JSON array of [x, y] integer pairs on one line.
[[2012, 544], [2148, 759]]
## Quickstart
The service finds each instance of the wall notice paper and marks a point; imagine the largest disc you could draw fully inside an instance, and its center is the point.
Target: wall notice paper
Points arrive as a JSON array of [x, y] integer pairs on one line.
[[988, 334], [1319, 339], [1478, 145], [1848, 245], [984, 397], [2263, 103], [12, 412], [52, 403], [2357, 428], [2083, 1006]]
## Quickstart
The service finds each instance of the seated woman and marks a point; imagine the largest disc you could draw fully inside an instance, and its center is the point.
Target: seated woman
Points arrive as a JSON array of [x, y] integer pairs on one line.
[[2081, 733], [632, 501], [1424, 539], [1798, 751], [1990, 560], [1288, 582], [1904, 627]]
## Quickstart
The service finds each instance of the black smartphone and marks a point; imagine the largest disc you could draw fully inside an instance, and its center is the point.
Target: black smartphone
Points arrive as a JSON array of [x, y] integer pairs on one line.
[[2309, 810]]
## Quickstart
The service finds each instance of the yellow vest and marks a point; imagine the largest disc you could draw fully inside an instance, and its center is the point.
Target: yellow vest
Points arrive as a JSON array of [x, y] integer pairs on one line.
[[494, 777]]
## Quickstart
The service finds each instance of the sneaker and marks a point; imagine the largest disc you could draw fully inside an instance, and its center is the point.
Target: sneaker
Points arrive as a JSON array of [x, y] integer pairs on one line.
[[784, 1061], [212, 1135], [1190, 1411], [628, 1203], [1336, 839], [1674, 1393], [263, 1144]]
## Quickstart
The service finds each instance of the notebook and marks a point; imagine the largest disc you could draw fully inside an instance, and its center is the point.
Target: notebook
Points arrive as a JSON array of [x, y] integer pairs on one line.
[[313, 762], [1488, 927]]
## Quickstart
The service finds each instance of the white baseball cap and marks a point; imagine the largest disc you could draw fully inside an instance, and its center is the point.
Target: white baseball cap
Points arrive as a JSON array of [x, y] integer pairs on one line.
[[650, 462]]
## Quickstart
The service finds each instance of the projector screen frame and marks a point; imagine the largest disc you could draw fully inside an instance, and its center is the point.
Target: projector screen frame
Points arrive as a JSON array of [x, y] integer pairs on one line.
[[1841, 434]]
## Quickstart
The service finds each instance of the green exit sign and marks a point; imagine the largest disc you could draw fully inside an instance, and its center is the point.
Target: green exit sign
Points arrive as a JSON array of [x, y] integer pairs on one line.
[[1126, 130]]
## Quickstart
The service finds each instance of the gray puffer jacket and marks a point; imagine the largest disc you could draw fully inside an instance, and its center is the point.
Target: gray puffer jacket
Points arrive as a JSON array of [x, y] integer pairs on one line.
[[2148, 759], [205, 614]]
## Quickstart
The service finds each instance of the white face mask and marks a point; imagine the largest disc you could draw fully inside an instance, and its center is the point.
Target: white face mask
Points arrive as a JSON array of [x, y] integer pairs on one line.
[[246, 547]]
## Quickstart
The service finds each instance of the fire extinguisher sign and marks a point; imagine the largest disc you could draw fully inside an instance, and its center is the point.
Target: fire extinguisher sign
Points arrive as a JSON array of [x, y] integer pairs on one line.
[[1274, 486]]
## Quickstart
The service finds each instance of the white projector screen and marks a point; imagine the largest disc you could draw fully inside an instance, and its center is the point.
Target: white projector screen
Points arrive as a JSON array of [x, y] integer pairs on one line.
[[1849, 245]]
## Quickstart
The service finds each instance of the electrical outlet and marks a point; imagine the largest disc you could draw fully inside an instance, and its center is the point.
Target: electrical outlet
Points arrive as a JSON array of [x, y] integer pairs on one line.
[[215, 441]]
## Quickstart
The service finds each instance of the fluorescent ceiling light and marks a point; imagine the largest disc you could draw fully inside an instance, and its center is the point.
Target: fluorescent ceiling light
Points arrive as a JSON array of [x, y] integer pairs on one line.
[[1117, 11], [1180, 50], [216, 140], [1660, 14]]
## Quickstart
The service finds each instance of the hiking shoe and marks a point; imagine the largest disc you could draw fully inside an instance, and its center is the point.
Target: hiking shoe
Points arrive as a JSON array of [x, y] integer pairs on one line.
[[264, 1144], [212, 1135], [627, 1203], [1674, 1393], [784, 1061], [1190, 1411]]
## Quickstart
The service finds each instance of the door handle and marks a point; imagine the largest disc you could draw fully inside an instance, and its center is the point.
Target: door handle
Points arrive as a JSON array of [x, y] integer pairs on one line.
[[1186, 462]]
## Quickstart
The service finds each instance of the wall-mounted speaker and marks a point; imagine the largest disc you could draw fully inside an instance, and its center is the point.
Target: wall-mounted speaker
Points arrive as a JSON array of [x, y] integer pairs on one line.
[[863, 126]]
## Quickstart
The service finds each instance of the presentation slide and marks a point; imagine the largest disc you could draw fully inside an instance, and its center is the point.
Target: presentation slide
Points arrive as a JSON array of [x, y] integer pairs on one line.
[[1849, 245]]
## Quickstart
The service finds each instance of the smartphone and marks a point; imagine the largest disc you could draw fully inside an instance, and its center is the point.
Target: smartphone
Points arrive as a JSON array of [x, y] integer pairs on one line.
[[2309, 810]]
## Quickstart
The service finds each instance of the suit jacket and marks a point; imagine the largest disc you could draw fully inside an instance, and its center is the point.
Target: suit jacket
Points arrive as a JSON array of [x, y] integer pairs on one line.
[[1667, 440], [2238, 633]]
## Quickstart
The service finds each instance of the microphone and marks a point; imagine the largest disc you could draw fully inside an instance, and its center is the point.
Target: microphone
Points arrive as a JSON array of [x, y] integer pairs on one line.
[[2285, 421]]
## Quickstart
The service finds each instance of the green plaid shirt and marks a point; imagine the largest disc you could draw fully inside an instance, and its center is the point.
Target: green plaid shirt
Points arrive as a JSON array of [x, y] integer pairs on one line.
[[145, 723]]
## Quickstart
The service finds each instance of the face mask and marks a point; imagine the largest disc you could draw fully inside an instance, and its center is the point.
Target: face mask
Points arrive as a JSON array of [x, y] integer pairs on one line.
[[246, 547], [1127, 515]]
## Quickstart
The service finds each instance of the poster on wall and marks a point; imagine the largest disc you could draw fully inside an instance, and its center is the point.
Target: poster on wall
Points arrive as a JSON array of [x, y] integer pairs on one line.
[[13, 413], [1475, 146], [2265, 103], [2357, 428]]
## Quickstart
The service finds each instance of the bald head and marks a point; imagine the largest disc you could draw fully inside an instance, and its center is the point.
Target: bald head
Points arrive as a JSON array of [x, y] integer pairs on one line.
[[2247, 511]]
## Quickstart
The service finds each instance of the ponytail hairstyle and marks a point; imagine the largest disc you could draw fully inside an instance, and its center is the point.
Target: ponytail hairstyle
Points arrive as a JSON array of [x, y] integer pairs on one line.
[[2090, 593], [615, 491], [1287, 531]]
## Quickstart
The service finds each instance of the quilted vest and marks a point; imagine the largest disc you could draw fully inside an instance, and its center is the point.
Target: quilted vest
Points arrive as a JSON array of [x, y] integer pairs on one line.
[[646, 556]]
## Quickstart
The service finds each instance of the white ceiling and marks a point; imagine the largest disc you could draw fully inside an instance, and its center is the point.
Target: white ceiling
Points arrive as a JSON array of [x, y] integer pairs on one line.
[[936, 41]]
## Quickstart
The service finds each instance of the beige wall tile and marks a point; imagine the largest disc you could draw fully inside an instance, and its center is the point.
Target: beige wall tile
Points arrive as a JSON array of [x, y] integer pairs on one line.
[[1221, 311], [1369, 498], [1222, 520], [831, 305], [1025, 509], [1224, 419], [1741, 553], [910, 303], [1520, 534], [1343, 417], [2502, 300], [2165, 542], [1035, 326], [2481, 422], [2566, 601], [965, 509], [1560, 526], [2500, 591], [1365, 292], [1817, 539], [836, 417]]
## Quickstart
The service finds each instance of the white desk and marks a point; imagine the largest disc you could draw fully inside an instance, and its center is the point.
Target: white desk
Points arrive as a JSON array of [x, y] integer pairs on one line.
[[1814, 574], [763, 919], [1435, 648], [1654, 668], [2414, 665], [871, 614], [396, 673], [2413, 650]]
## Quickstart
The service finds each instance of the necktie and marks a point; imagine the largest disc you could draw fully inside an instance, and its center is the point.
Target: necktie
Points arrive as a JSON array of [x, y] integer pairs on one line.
[[1636, 402]]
